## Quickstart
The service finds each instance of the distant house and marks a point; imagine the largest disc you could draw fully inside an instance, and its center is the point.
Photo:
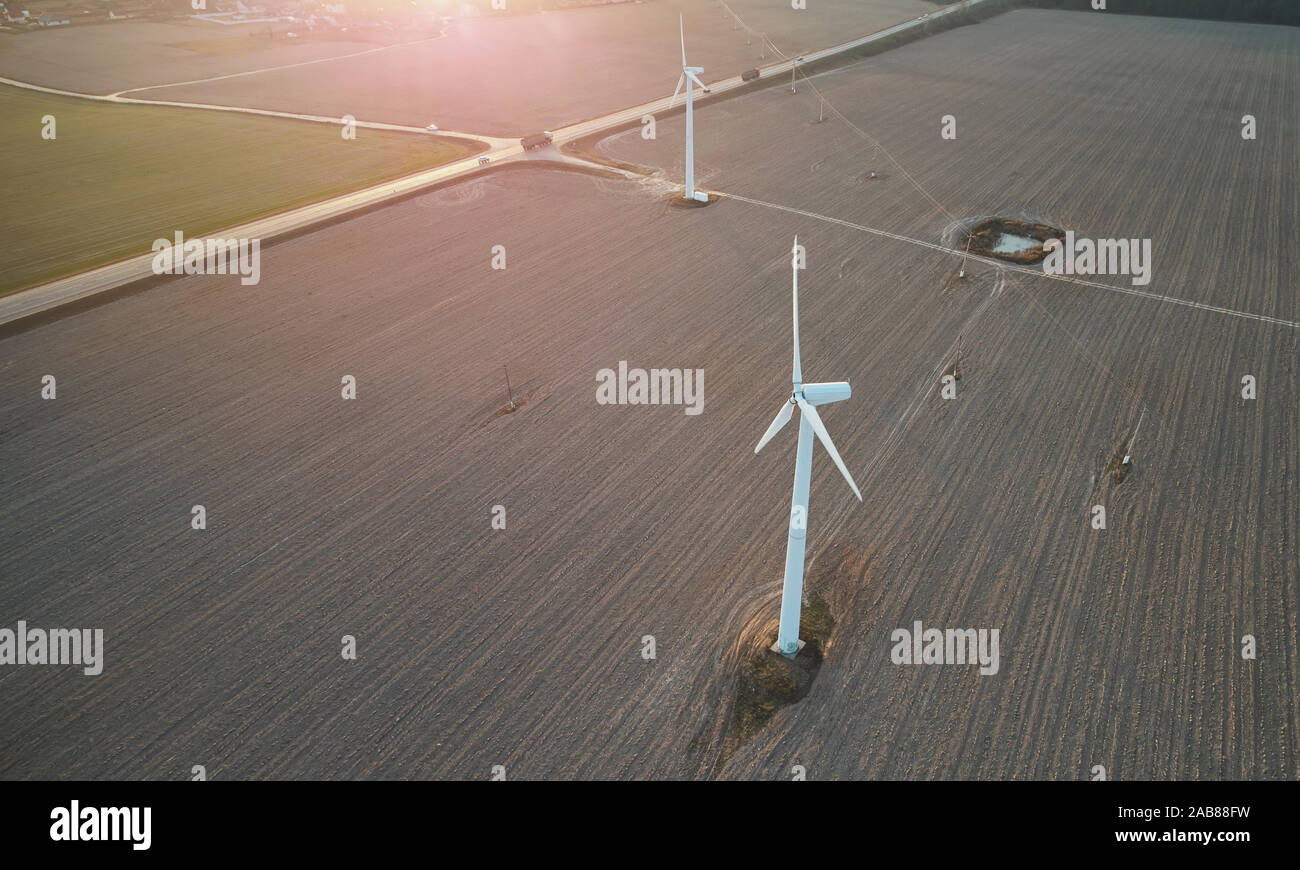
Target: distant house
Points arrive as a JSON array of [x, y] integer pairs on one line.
[[52, 19], [115, 15], [15, 16]]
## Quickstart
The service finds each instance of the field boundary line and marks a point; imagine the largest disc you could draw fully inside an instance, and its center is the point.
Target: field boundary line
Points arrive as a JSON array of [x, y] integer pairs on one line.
[[991, 261], [267, 69]]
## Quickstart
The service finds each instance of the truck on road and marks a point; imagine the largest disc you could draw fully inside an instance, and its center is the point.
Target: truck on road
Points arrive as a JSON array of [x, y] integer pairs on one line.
[[536, 140]]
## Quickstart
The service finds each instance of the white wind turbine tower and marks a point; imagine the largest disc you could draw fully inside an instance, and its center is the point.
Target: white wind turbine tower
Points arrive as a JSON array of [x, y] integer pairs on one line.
[[807, 397], [689, 78]]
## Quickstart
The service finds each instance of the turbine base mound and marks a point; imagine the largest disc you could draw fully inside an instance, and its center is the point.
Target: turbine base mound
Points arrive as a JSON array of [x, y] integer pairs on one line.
[[768, 679], [679, 200], [765, 681]]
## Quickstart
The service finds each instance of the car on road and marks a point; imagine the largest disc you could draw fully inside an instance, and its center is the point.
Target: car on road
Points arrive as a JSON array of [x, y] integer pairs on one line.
[[432, 128]]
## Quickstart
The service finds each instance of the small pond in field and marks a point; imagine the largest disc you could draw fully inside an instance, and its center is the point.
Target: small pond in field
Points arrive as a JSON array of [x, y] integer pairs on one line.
[[1011, 239], [1009, 243]]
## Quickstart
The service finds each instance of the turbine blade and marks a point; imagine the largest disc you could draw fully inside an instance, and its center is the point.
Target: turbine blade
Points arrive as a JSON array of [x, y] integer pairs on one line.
[[694, 78], [680, 82], [824, 437], [794, 269], [782, 417], [682, 28]]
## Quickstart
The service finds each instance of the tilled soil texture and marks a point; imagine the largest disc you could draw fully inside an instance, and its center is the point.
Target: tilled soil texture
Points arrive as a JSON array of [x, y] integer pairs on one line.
[[522, 645]]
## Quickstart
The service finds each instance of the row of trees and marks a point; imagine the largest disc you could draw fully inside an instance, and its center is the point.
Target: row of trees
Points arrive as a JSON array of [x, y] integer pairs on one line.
[[1262, 11]]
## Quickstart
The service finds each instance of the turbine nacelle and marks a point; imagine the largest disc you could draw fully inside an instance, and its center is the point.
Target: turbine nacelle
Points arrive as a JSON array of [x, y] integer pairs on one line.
[[688, 72], [821, 394], [824, 394]]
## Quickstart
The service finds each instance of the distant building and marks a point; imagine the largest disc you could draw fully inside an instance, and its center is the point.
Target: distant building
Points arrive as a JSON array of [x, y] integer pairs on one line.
[[52, 19], [15, 16]]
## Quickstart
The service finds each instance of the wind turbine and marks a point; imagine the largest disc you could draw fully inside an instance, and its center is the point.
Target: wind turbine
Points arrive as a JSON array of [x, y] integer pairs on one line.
[[689, 78], [807, 397]]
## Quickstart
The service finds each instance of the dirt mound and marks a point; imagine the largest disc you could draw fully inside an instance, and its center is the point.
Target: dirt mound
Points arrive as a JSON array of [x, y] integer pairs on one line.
[[678, 200], [768, 680]]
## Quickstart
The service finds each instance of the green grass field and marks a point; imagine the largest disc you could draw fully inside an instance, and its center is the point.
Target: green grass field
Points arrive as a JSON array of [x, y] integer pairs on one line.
[[118, 177]]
